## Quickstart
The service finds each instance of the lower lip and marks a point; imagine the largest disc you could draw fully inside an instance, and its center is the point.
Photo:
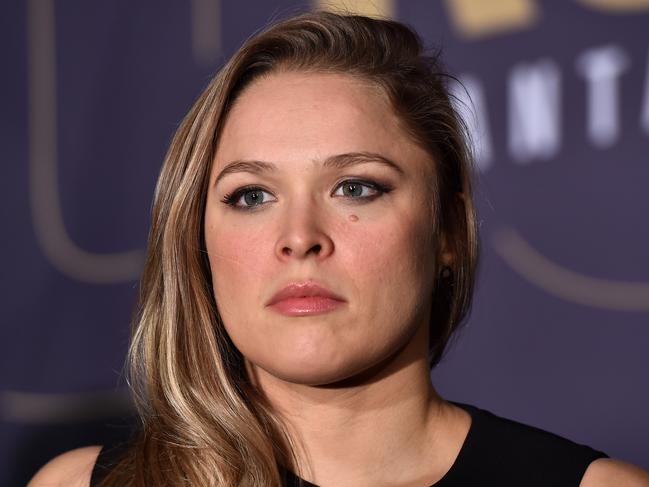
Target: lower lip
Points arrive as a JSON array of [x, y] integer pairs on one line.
[[306, 306]]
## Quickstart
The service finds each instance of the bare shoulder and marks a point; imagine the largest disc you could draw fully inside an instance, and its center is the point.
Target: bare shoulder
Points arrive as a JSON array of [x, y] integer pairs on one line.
[[606, 472], [71, 468]]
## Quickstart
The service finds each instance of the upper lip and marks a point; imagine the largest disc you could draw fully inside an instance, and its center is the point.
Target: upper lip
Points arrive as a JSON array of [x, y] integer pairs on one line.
[[303, 289]]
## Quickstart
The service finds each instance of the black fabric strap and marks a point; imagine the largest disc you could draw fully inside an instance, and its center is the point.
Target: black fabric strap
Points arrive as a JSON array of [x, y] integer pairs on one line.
[[109, 456], [500, 451]]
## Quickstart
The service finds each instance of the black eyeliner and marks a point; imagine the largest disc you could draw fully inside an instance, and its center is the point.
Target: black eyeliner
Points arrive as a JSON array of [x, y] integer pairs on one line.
[[381, 188], [231, 199]]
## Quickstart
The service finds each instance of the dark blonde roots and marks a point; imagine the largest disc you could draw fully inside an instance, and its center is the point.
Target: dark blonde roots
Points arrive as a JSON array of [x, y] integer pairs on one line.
[[202, 422]]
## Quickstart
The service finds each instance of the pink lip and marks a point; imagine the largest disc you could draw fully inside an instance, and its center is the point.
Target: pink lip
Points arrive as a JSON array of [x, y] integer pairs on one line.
[[305, 298]]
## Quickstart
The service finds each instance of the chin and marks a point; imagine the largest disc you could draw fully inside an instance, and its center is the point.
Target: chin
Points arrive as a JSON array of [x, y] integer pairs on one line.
[[320, 368], [319, 354], [297, 365], [314, 378]]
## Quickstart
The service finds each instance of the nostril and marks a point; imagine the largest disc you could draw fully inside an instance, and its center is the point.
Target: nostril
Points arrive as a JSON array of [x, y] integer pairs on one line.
[[301, 250]]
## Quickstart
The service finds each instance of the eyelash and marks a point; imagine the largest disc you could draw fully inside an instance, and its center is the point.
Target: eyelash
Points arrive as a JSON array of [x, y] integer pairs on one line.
[[232, 198]]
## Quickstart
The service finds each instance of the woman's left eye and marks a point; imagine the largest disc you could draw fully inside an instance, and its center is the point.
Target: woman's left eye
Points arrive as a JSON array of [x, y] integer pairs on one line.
[[359, 189]]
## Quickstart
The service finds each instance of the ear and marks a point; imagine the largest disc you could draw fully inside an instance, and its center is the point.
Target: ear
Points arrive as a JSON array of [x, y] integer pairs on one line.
[[448, 252]]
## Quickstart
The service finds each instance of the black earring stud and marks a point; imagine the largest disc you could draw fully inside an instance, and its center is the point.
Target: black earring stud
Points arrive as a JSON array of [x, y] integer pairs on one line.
[[447, 272]]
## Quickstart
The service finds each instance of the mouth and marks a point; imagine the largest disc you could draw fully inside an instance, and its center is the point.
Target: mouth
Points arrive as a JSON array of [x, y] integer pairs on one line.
[[305, 299]]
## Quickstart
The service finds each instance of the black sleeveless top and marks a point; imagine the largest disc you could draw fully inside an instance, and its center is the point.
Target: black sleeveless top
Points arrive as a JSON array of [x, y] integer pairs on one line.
[[496, 451]]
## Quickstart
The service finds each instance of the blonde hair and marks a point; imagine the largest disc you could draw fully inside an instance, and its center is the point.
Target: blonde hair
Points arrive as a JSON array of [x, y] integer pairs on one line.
[[202, 421]]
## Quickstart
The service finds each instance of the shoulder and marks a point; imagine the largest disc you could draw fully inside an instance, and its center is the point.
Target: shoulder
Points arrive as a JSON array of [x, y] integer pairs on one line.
[[73, 468], [528, 442], [607, 472], [495, 442]]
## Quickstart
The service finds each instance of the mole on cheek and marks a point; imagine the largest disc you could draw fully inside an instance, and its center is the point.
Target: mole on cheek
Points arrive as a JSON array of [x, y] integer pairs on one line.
[[353, 218]]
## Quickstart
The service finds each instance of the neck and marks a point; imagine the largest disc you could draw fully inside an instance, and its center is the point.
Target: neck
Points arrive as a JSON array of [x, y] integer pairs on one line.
[[381, 427]]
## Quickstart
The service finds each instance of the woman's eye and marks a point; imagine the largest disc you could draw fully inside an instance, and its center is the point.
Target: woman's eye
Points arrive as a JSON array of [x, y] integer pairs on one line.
[[358, 189], [246, 198]]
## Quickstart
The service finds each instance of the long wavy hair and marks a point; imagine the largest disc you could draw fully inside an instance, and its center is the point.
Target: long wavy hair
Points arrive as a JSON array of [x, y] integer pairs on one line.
[[202, 422]]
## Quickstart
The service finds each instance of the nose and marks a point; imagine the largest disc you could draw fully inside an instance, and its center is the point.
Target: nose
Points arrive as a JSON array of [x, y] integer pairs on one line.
[[304, 233]]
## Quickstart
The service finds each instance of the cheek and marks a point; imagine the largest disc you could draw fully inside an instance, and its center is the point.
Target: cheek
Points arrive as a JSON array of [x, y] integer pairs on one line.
[[390, 263], [239, 262], [393, 246]]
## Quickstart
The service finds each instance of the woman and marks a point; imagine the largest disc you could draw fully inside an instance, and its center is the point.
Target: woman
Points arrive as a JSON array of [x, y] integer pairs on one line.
[[312, 250]]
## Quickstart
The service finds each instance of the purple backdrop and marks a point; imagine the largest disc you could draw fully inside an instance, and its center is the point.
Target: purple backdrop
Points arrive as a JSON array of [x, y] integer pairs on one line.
[[558, 104]]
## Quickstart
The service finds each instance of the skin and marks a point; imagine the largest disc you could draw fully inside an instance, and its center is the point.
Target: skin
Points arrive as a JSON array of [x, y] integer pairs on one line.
[[352, 385], [377, 252]]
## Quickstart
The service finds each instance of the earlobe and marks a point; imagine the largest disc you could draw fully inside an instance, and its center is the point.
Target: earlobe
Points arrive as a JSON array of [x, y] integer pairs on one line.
[[447, 259], [446, 255]]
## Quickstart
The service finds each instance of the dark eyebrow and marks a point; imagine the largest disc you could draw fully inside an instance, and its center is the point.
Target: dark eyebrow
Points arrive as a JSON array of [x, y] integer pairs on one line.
[[245, 166], [352, 158], [337, 161]]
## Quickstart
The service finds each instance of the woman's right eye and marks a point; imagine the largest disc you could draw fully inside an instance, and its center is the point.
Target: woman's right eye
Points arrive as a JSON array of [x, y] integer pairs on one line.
[[247, 198]]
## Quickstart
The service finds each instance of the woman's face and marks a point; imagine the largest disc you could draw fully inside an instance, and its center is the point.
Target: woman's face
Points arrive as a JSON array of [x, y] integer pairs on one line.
[[318, 191]]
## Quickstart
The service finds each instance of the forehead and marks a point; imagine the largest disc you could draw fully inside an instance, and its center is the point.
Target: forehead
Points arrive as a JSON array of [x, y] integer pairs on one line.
[[290, 116]]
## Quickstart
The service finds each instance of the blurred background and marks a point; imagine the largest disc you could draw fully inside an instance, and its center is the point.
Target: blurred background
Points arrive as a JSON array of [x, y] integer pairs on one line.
[[557, 100]]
